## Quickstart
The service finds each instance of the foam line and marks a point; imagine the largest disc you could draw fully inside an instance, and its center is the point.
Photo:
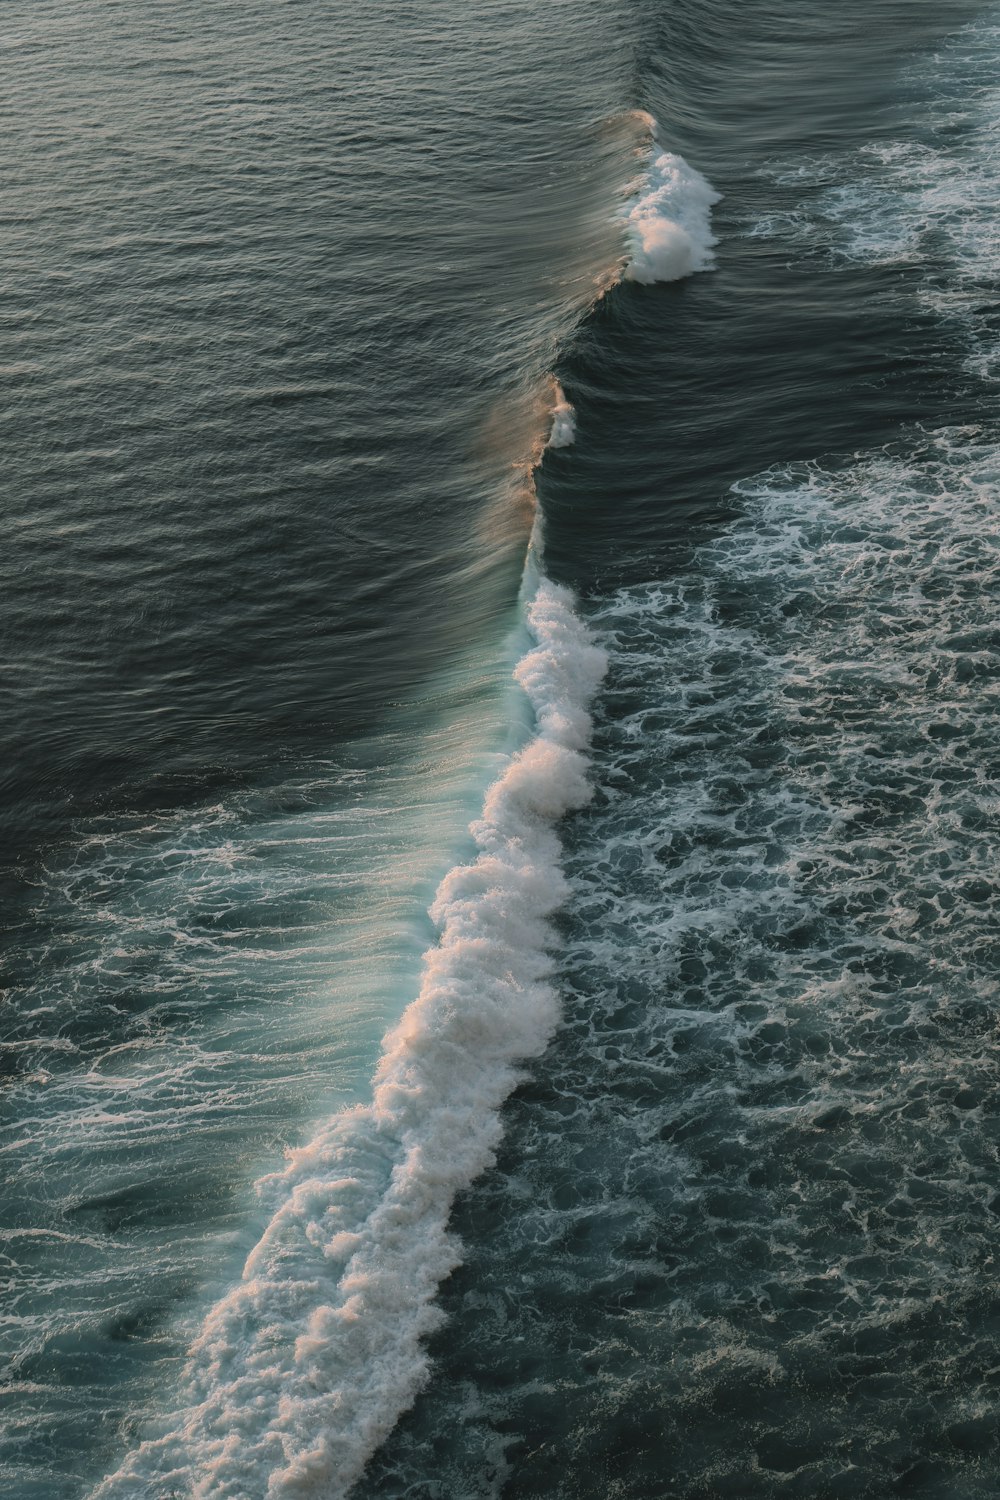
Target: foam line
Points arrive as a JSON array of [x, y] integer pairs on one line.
[[305, 1366]]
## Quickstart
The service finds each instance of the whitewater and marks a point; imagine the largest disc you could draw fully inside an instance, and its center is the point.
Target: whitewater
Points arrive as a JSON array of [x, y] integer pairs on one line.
[[303, 1368], [668, 222]]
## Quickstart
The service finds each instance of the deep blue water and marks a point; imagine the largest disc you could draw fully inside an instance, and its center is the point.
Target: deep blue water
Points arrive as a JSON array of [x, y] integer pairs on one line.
[[285, 291]]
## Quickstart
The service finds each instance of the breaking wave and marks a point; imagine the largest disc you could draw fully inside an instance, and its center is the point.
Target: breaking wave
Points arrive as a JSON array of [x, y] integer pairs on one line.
[[669, 223], [302, 1369]]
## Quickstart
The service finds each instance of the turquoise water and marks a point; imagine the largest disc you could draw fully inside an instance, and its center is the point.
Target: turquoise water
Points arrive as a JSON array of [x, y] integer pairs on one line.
[[294, 300]]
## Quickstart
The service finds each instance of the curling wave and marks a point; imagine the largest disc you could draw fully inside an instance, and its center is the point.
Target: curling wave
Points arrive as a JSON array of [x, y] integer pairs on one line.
[[304, 1367]]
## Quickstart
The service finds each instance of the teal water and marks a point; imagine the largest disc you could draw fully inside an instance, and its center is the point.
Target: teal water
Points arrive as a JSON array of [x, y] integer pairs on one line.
[[286, 290]]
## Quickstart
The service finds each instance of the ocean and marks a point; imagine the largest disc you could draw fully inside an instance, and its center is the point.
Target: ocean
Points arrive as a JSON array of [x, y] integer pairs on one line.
[[501, 800]]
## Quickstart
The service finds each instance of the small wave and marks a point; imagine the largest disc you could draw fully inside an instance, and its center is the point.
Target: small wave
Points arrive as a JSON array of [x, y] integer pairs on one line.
[[669, 224], [301, 1371]]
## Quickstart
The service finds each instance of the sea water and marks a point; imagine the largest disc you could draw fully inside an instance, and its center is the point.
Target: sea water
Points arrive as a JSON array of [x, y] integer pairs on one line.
[[501, 789]]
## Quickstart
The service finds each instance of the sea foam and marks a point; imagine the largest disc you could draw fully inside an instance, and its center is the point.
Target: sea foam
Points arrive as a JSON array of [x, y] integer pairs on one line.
[[563, 430], [669, 223], [304, 1367]]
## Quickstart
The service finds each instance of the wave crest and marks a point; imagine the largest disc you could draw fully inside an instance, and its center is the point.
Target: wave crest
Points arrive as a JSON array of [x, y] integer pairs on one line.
[[669, 225], [303, 1369]]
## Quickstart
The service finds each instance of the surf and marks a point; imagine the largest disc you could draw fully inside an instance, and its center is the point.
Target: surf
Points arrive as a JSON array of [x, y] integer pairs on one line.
[[668, 221], [302, 1368]]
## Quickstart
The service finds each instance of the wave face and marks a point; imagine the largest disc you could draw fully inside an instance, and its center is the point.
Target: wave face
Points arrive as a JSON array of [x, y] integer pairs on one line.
[[278, 372], [302, 1370]]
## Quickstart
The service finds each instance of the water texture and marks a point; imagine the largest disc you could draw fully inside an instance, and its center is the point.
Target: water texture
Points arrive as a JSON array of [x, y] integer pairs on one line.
[[318, 325]]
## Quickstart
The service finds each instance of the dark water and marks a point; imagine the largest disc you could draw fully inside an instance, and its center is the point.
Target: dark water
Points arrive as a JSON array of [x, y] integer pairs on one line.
[[282, 289]]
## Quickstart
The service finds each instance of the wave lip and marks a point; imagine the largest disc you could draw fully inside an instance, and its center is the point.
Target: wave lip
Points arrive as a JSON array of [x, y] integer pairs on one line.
[[303, 1369], [669, 225]]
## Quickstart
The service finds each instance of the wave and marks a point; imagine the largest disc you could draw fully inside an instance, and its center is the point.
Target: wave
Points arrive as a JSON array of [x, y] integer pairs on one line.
[[669, 222], [301, 1371]]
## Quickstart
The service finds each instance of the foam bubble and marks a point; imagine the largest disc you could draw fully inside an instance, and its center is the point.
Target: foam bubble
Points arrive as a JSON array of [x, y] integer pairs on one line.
[[303, 1368], [669, 224]]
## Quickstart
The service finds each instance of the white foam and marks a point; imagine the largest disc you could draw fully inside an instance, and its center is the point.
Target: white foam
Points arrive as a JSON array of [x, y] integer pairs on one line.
[[304, 1367], [563, 430], [669, 223]]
